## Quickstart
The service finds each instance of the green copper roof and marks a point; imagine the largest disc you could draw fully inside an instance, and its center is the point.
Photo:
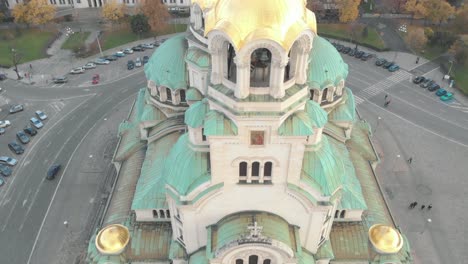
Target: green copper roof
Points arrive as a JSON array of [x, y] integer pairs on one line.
[[152, 113], [317, 115], [217, 124], [184, 167], [195, 115], [297, 124], [325, 251], [305, 257], [346, 111], [167, 65], [150, 191], [325, 64], [177, 251], [199, 257], [234, 227], [198, 57], [193, 94]]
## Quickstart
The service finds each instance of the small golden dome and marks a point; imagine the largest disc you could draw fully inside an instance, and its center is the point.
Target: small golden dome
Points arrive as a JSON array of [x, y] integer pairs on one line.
[[247, 20], [112, 239], [385, 239]]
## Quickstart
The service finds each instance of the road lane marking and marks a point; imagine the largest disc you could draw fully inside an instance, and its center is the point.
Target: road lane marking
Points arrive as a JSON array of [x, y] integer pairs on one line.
[[431, 71], [59, 98], [60, 131]]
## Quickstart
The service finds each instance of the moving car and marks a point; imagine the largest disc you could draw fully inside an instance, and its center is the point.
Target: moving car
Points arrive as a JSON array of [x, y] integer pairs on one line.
[[89, 65], [101, 61], [61, 79], [8, 160], [128, 51], [380, 62], [22, 137], [16, 108], [145, 59], [30, 130], [52, 172], [393, 68], [96, 79], [16, 148], [419, 79], [433, 87], [446, 97], [41, 115], [119, 54], [78, 70], [441, 92], [138, 62], [5, 123], [36, 123], [130, 65], [5, 170]]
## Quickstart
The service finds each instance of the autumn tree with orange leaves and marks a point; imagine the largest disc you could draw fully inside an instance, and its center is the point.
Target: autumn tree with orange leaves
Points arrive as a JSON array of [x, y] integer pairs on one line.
[[35, 12], [156, 12]]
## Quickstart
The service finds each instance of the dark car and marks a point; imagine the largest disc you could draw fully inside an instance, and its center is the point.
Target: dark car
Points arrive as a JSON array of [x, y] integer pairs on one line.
[[380, 62], [16, 148], [426, 83], [366, 56], [388, 64], [346, 50], [145, 59], [61, 79], [5, 170], [2, 76], [419, 79], [359, 54], [110, 58], [30, 130], [52, 172], [339, 47], [22, 137], [138, 48], [130, 65], [352, 52], [433, 87]]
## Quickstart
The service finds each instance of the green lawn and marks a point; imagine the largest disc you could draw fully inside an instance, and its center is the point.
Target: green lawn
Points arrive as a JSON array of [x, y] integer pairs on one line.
[[432, 52], [30, 43], [461, 78], [120, 37], [76, 40], [341, 31]]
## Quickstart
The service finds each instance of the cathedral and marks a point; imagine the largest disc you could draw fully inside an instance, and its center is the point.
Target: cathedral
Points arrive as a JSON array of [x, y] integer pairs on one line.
[[245, 148]]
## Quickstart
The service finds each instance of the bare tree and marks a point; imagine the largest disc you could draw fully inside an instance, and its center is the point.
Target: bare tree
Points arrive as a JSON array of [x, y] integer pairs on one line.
[[15, 59]]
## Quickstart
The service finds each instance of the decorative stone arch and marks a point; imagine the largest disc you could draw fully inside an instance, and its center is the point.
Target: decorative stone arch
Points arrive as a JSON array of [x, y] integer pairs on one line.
[[153, 89], [340, 87], [326, 94], [298, 57], [197, 17], [314, 95], [223, 54], [275, 254], [179, 97]]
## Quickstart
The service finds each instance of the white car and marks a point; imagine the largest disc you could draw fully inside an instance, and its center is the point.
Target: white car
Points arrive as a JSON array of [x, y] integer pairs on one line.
[[5, 123], [128, 51], [41, 115], [89, 65], [36, 123], [8, 160], [148, 45], [78, 70], [101, 61], [138, 62]]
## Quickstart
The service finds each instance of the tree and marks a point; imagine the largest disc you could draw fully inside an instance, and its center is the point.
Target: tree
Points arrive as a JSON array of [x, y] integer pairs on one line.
[[348, 9], [461, 19], [35, 12], [156, 12], [15, 59], [139, 24], [113, 11], [416, 8], [459, 50], [393, 5], [416, 38], [438, 11]]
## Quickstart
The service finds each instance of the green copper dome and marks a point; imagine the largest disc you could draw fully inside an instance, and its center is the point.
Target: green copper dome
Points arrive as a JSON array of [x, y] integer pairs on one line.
[[167, 65], [326, 67]]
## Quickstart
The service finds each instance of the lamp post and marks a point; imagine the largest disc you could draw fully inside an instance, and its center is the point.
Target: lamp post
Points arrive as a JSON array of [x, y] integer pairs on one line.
[[427, 222], [378, 122], [450, 68]]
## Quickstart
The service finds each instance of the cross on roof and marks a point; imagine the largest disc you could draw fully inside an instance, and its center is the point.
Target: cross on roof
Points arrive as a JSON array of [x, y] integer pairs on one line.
[[255, 230]]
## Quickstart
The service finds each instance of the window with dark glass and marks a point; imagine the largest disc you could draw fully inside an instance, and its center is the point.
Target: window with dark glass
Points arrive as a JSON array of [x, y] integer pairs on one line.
[[243, 169], [267, 169], [253, 259], [239, 261], [203, 134], [155, 213], [256, 169], [168, 94], [161, 214], [182, 95], [342, 215], [267, 261]]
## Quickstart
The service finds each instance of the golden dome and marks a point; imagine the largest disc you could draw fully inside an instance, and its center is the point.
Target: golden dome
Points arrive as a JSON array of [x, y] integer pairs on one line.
[[112, 239], [247, 20], [385, 239]]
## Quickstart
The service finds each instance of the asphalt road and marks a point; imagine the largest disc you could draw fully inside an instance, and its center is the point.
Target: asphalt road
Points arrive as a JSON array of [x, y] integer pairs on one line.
[[75, 118]]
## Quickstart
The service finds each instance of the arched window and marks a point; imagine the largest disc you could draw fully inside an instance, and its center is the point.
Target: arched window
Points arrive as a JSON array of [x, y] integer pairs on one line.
[[267, 169], [260, 68], [243, 169], [342, 214], [239, 261], [253, 259], [182, 96], [155, 213], [287, 69], [337, 213], [324, 95], [161, 213], [312, 92], [255, 169], [267, 261], [169, 94], [203, 134], [231, 66], [168, 213]]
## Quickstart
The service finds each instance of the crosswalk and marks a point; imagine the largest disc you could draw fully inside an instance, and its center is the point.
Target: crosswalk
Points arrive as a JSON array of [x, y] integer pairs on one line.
[[381, 86], [57, 106]]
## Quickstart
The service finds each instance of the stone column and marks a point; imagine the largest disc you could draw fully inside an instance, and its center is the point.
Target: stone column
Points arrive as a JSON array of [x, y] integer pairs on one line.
[[301, 69], [277, 79], [216, 75], [243, 79]]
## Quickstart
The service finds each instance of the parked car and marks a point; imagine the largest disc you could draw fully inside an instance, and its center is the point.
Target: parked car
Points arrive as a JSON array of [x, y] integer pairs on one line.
[[419, 79], [359, 54], [366, 56], [119, 54], [388, 64], [138, 62], [8, 160], [2, 182], [110, 58], [2, 76], [346, 50], [89, 65], [22, 137], [433, 87], [147, 45], [36, 123], [393, 68], [16, 108], [128, 51], [96, 79], [30, 130], [2, 130], [130, 65], [61, 79], [16, 148], [441, 92], [339, 47], [5, 170], [446, 97], [52, 172], [145, 59], [138, 48], [426, 83], [352, 52], [157, 43], [380, 62], [41, 115], [100, 61], [4, 123], [77, 70]]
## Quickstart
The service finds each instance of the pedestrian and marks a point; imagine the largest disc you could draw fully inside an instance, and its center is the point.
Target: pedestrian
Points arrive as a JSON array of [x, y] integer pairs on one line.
[[30, 66], [422, 207], [386, 96], [411, 206], [387, 103], [417, 60], [414, 204], [410, 160], [429, 207]]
